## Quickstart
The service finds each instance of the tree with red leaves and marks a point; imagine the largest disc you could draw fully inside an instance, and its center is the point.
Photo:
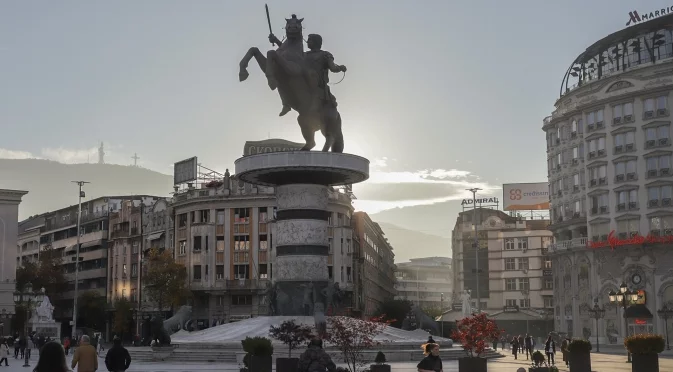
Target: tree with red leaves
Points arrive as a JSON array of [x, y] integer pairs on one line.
[[474, 333], [353, 336]]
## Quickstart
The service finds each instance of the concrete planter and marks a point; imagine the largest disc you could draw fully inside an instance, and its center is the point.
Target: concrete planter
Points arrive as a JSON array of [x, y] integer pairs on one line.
[[579, 362], [287, 364], [645, 362], [472, 365], [379, 368], [261, 364], [161, 353]]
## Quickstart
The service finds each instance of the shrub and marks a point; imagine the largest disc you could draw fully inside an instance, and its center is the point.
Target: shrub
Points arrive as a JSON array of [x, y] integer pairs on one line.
[[291, 334], [475, 332], [647, 344], [352, 337], [380, 358], [578, 345], [538, 358], [257, 346]]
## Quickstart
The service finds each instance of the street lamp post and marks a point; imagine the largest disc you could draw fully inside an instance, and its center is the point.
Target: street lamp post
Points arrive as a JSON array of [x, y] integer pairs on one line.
[[476, 244], [79, 222], [597, 313], [623, 299], [441, 314], [666, 313], [31, 298]]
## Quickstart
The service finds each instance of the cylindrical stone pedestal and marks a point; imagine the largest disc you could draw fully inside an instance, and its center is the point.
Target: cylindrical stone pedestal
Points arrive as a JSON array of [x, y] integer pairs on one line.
[[302, 180]]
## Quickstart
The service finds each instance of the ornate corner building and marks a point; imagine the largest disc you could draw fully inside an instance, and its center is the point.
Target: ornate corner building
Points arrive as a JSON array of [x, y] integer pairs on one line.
[[609, 153]]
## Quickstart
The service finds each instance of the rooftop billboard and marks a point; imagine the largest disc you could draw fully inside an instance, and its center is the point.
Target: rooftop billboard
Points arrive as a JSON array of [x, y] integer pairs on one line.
[[525, 196]]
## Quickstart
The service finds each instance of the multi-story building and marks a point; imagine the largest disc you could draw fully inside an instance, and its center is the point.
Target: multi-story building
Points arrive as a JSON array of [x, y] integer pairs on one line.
[[224, 236], [158, 233], [57, 231], [376, 262], [609, 152], [9, 212], [514, 267], [427, 282]]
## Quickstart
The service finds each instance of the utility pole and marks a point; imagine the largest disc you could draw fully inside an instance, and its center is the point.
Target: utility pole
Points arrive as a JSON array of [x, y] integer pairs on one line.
[[476, 243], [79, 223]]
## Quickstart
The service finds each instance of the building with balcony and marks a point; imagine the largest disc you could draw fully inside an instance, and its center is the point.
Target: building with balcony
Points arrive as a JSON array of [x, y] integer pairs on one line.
[[57, 231], [609, 152], [427, 282], [514, 270], [224, 236], [158, 233], [375, 265]]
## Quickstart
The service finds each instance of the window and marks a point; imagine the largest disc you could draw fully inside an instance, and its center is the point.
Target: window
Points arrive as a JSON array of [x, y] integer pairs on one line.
[[220, 217], [241, 300], [655, 107], [627, 200], [622, 113], [123, 292], [596, 147], [219, 272], [263, 243], [182, 220], [242, 242], [241, 215], [524, 303], [578, 152], [197, 272], [349, 274], [124, 269], [182, 247], [342, 274], [625, 170], [599, 231], [595, 119], [510, 264], [220, 300], [510, 284], [548, 301], [523, 264], [599, 203], [134, 269], [524, 284], [197, 244], [626, 228], [661, 225], [205, 216], [134, 295], [241, 272], [575, 127], [135, 248], [510, 303], [658, 165], [657, 136], [219, 244], [547, 263], [624, 141], [509, 244], [659, 196], [597, 175], [330, 272], [522, 243], [263, 215], [263, 271]]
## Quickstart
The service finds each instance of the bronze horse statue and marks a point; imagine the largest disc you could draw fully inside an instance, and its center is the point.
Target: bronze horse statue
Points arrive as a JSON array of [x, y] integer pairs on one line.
[[286, 70]]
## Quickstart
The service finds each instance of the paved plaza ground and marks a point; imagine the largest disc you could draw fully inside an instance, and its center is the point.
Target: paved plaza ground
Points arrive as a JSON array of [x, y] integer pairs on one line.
[[600, 363]]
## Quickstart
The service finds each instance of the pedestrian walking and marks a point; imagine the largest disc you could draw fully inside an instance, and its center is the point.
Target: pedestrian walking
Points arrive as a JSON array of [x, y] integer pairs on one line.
[[30, 345], [529, 346], [550, 350], [315, 359], [52, 359], [4, 353], [118, 358], [17, 346], [503, 341], [521, 344], [66, 345], [432, 362], [85, 356], [564, 351], [515, 346]]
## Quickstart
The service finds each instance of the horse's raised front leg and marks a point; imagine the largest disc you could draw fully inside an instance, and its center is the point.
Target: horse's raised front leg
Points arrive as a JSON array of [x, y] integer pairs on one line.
[[259, 57]]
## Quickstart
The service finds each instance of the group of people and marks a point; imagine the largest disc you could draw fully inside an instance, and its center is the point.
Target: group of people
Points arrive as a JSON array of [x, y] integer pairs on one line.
[[520, 344], [22, 347]]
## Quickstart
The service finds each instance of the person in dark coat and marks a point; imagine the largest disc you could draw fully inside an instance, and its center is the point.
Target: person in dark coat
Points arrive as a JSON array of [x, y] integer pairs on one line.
[[432, 362], [550, 350], [564, 350], [118, 358], [315, 359], [515, 347], [528, 346]]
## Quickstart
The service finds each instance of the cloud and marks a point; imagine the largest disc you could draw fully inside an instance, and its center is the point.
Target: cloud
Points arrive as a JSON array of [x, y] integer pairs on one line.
[[13, 154], [379, 163], [390, 190], [65, 155]]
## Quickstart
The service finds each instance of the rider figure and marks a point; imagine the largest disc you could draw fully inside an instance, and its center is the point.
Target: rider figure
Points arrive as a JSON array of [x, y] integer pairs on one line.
[[318, 61]]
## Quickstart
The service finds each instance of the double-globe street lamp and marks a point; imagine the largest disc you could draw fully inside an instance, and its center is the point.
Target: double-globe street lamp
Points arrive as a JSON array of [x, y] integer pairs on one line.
[[624, 298], [666, 313], [597, 313]]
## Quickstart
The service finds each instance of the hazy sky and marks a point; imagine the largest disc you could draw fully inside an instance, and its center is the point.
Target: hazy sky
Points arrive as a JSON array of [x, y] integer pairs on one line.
[[440, 95]]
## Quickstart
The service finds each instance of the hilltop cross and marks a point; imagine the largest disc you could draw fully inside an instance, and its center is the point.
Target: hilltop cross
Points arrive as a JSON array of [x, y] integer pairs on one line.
[[135, 158]]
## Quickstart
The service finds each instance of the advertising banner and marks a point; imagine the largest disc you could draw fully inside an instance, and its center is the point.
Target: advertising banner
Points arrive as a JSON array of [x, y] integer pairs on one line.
[[185, 171], [525, 196]]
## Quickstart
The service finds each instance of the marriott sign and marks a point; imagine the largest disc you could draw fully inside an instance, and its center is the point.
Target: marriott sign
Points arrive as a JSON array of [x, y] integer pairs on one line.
[[635, 17]]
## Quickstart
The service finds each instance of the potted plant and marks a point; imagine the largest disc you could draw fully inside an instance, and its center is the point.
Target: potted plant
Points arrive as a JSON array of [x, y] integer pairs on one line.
[[380, 365], [292, 335], [579, 356], [474, 333], [540, 363], [645, 349], [258, 354]]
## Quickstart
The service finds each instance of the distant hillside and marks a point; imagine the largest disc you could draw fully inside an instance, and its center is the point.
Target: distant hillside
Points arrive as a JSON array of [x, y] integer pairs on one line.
[[49, 186], [413, 244]]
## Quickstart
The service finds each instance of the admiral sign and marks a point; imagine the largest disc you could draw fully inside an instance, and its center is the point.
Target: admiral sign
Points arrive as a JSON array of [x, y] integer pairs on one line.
[[635, 17], [491, 200]]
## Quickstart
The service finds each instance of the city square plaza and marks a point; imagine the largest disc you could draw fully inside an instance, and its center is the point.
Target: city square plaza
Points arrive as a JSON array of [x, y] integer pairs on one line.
[[600, 362]]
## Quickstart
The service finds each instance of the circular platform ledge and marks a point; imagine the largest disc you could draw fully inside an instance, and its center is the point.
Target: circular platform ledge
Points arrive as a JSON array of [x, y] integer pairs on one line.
[[307, 167]]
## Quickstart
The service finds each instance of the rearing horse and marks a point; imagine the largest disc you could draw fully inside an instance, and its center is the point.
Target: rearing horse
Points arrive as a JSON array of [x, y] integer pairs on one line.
[[286, 70]]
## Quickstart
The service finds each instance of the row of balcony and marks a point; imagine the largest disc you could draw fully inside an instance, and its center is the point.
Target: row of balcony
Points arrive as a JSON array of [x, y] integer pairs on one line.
[[569, 244], [237, 284]]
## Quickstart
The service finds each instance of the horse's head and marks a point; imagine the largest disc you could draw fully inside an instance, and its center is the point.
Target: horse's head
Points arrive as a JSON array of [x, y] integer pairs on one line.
[[293, 27]]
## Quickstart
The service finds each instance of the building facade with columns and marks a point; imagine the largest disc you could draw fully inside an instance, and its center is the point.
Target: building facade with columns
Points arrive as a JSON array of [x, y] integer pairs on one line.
[[9, 217], [609, 152]]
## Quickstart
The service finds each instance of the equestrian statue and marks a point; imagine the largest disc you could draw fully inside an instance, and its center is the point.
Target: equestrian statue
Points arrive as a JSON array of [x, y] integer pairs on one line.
[[301, 79]]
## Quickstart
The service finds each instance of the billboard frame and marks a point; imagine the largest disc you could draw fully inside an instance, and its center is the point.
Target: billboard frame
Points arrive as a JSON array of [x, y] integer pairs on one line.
[[185, 171], [506, 200]]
